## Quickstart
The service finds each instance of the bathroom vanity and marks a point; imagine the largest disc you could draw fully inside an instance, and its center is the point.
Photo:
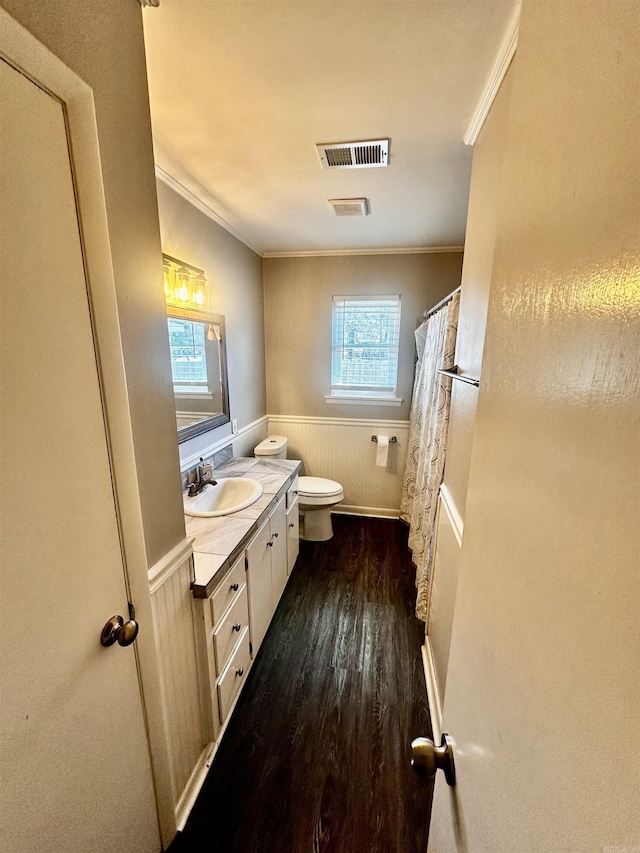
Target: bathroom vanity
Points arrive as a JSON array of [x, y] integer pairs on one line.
[[213, 598], [242, 563]]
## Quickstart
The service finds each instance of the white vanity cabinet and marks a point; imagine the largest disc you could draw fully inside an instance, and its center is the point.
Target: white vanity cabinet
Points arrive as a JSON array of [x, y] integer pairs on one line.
[[235, 617], [266, 572], [213, 598]]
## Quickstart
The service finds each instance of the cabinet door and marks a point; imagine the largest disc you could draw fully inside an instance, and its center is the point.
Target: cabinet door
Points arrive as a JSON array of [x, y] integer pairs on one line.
[[293, 535], [259, 584], [278, 551]]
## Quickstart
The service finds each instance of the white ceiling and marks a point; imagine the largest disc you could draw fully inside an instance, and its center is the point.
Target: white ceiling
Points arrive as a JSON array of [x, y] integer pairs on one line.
[[242, 90]]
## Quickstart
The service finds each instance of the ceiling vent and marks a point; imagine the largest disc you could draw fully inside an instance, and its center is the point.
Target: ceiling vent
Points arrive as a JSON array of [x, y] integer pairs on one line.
[[350, 206], [354, 155]]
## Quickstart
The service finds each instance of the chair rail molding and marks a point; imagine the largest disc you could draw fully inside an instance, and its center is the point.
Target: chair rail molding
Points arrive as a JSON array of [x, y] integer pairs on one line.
[[167, 565], [454, 516], [221, 443], [354, 422]]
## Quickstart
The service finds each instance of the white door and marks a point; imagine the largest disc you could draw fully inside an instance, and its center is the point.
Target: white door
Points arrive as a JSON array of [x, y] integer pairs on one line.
[[74, 759], [543, 682]]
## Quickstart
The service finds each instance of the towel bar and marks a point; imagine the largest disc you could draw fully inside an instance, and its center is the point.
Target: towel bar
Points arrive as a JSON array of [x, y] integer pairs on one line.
[[392, 440], [453, 374]]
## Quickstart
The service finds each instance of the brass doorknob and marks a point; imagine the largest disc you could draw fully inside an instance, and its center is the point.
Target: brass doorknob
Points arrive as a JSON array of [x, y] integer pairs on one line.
[[118, 631], [429, 758]]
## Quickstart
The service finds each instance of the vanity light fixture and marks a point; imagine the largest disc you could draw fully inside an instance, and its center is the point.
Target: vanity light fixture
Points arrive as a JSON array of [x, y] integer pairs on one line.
[[185, 286]]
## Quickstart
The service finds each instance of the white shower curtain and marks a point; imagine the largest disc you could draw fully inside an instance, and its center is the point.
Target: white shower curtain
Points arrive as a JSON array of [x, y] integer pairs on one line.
[[428, 424]]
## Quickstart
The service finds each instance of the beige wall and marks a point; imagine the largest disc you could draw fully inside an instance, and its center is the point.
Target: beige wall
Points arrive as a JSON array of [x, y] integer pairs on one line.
[[103, 44], [234, 273], [298, 295], [543, 666], [474, 299]]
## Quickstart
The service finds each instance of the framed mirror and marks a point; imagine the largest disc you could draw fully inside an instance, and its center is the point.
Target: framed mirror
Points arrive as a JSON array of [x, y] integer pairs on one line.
[[199, 369]]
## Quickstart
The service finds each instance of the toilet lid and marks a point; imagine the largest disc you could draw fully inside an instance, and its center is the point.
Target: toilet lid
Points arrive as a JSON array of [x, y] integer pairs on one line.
[[318, 487]]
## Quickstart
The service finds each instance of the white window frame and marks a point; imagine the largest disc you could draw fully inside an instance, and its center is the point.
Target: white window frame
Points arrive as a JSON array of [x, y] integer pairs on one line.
[[342, 393]]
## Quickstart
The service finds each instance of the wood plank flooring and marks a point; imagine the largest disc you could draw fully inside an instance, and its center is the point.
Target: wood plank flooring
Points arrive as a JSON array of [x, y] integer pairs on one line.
[[316, 758]]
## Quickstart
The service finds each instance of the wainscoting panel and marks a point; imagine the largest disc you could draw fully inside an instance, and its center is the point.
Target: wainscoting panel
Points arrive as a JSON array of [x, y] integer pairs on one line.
[[173, 616], [341, 449], [249, 436], [446, 565]]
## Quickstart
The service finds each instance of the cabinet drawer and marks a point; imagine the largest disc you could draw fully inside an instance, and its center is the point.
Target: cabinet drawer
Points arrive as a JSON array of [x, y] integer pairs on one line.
[[233, 677], [231, 626], [292, 493], [226, 592]]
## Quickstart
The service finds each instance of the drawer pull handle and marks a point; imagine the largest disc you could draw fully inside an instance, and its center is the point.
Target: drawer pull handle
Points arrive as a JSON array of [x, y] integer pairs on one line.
[[270, 544], [292, 524], [235, 587], [240, 672], [275, 536], [236, 627]]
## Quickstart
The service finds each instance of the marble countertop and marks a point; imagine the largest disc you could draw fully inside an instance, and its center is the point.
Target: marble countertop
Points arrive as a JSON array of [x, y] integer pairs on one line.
[[218, 542]]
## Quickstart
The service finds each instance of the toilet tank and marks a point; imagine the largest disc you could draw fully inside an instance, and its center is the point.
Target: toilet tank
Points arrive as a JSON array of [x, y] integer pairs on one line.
[[274, 446]]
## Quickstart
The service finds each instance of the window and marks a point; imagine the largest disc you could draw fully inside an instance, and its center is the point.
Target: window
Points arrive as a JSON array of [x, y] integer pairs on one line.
[[189, 361], [364, 358]]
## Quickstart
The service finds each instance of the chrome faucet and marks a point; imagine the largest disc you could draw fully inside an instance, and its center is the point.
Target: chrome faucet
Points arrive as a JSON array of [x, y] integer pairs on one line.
[[203, 480]]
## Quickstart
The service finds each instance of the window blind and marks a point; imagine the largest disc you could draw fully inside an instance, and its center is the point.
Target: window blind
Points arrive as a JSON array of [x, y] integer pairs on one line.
[[365, 339], [187, 346]]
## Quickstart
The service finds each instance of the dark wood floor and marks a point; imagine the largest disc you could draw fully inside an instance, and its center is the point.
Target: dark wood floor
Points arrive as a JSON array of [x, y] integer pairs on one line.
[[316, 758]]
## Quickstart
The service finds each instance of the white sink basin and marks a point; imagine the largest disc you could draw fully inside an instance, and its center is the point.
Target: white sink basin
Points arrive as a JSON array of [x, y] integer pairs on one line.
[[228, 495]]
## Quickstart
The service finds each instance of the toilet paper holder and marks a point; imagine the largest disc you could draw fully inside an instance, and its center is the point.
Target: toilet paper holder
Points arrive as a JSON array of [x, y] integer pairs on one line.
[[392, 439]]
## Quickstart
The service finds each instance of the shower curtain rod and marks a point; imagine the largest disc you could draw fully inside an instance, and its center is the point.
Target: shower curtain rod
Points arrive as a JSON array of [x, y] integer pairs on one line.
[[441, 304]]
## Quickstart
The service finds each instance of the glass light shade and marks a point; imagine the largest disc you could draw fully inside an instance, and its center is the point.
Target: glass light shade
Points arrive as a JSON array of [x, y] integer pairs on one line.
[[183, 286], [200, 299], [168, 281]]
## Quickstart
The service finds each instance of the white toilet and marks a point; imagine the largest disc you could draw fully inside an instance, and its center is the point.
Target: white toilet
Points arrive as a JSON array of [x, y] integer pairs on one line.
[[316, 495]]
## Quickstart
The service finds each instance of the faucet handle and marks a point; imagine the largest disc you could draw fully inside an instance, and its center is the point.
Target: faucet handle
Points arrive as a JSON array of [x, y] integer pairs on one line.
[[205, 473]]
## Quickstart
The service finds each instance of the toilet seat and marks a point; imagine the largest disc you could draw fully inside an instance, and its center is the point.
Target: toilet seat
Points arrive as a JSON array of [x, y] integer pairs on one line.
[[318, 487]]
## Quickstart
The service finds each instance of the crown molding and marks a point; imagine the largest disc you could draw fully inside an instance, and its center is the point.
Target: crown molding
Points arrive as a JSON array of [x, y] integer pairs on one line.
[[415, 250], [206, 208], [500, 67], [203, 207]]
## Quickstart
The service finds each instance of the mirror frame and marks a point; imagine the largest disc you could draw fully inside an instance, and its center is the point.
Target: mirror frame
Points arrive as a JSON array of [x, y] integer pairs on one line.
[[206, 424]]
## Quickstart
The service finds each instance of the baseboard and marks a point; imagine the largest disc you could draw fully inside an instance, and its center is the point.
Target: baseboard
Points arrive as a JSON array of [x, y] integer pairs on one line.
[[368, 511], [190, 793], [433, 694], [197, 779]]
